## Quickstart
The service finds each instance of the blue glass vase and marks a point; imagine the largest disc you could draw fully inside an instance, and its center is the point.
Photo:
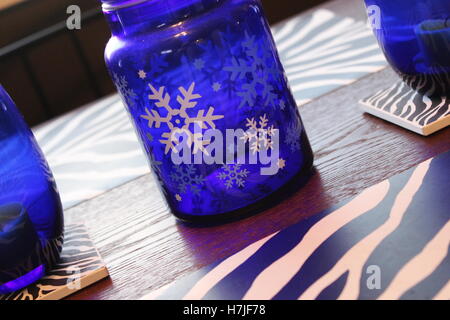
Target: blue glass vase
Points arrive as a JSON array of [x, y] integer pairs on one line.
[[415, 38], [209, 99], [31, 218]]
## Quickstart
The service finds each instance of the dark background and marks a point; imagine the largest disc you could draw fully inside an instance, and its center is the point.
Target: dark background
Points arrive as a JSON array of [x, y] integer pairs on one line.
[[49, 70]]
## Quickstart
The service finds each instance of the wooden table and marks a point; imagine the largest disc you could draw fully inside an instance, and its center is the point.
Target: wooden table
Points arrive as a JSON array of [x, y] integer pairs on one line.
[[145, 248]]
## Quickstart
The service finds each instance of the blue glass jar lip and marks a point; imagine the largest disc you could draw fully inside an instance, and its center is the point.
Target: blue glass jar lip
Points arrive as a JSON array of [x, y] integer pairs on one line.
[[111, 5]]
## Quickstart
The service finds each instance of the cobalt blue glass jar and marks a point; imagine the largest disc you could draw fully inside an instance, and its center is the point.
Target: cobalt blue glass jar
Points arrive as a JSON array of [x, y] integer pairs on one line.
[[31, 219], [209, 99], [415, 38]]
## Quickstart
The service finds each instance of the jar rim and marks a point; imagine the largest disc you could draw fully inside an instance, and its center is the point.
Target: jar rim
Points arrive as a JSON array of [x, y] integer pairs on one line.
[[111, 5]]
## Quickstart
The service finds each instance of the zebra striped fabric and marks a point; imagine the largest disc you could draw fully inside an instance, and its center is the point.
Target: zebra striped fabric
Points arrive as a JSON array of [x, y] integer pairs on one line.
[[95, 149], [92, 150], [390, 242], [409, 109], [323, 52], [80, 266]]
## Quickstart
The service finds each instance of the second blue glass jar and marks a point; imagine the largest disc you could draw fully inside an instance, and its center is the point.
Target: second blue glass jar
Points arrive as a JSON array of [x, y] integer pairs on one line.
[[415, 38], [205, 75]]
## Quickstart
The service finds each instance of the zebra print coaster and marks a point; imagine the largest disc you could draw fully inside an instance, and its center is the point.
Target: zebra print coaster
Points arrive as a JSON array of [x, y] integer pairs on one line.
[[409, 109], [391, 242], [80, 266]]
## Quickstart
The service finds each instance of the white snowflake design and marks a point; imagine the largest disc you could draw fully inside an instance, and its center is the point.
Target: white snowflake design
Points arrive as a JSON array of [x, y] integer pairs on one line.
[[216, 86], [187, 178], [199, 64], [142, 74], [259, 134], [233, 175], [178, 121], [292, 138], [281, 163], [260, 71], [127, 94]]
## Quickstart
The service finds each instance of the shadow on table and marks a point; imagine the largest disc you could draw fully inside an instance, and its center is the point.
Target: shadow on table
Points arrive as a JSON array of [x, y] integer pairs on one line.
[[209, 243]]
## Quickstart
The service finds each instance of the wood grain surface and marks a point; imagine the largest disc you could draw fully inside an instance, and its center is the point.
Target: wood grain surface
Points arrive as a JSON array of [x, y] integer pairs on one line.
[[145, 248]]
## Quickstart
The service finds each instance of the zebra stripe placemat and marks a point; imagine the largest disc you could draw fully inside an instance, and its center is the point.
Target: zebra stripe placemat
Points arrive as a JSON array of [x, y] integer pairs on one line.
[[409, 109], [80, 266], [323, 51], [390, 242]]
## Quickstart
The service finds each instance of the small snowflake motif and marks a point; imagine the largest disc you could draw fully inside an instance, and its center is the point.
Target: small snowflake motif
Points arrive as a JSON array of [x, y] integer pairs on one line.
[[281, 163], [292, 138], [199, 64], [257, 73], [259, 134], [155, 164], [142, 74], [216, 87], [178, 197], [282, 105], [187, 178], [158, 63], [127, 94], [233, 175], [178, 121]]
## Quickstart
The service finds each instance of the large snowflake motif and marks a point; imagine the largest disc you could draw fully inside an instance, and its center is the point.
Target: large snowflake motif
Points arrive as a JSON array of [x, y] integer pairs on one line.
[[233, 175], [259, 134], [256, 73], [127, 94], [178, 121], [292, 138], [187, 178]]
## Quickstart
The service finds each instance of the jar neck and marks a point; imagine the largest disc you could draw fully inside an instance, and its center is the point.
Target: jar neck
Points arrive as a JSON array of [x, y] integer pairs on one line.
[[126, 17]]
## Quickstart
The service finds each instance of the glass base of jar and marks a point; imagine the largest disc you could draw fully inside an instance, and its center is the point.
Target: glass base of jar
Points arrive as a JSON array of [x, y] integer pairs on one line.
[[33, 265], [287, 190], [23, 281]]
